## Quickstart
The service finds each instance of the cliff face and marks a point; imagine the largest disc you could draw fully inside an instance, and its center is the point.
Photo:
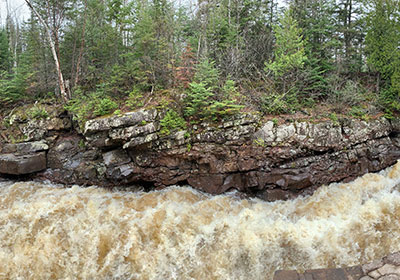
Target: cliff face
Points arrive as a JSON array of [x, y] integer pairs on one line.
[[262, 158]]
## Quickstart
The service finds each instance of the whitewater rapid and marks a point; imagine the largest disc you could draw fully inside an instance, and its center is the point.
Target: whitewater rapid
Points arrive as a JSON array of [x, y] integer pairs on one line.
[[52, 232]]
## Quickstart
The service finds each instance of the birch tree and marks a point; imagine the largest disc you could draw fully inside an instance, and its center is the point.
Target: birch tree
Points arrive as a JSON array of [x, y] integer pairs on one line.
[[65, 95]]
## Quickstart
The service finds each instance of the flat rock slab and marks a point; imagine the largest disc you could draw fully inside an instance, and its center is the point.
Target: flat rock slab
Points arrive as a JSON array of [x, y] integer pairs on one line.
[[25, 148], [22, 164], [348, 273]]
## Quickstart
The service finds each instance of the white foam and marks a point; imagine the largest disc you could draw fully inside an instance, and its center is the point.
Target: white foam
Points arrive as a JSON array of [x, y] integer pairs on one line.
[[48, 232]]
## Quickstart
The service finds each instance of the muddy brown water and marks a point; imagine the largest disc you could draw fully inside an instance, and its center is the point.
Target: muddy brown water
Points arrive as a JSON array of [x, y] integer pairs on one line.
[[51, 232]]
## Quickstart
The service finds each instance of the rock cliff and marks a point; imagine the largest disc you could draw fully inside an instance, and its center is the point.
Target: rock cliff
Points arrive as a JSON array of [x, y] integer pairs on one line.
[[248, 154]]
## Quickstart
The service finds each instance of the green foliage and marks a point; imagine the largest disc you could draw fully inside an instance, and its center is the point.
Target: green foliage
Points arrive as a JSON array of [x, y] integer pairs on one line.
[[85, 106], [171, 121], [382, 46], [82, 144], [349, 94], [289, 47], [38, 112], [135, 99], [198, 100], [383, 36], [320, 41], [5, 56], [206, 99], [315, 53], [358, 112], [104, 106], [13, 86], [207, 74], [334, 118], [259, 142], [389, 100], [275, 103], [127, 75], [223, 109], [287, 68], [153, 34], [229, 89]]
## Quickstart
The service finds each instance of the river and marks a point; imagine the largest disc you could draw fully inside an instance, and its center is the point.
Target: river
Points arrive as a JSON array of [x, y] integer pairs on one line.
[[52, 232]]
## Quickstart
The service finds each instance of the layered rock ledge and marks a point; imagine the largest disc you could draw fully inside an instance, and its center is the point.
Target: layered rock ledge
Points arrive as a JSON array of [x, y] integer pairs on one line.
[[248, 154], [387, 268]]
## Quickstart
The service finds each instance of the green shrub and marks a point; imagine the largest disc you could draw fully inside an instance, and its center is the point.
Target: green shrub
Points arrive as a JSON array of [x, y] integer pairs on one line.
[[85, 106], [38, 112], [135, 99], [199, 97], [223, 109], [358, 112], [13, 87], [279, 103], [171, 121], [129, 73], [104, 106], [206, 73], [389, 101], [229, 88], [334, 118], [351, 94], [206, 99]]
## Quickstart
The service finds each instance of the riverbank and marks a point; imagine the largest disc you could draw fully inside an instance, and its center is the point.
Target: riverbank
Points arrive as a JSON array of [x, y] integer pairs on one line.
[[267, 158]]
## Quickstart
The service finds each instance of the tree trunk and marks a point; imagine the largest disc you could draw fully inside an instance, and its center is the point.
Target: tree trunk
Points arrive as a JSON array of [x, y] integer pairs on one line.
[[78, 64], [64, 94]]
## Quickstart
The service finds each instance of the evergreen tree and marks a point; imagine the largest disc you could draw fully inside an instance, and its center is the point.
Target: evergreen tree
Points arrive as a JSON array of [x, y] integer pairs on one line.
[[383, 37], [317, 23], [382, 46], [5, 56], [349, 24], [289, 49]]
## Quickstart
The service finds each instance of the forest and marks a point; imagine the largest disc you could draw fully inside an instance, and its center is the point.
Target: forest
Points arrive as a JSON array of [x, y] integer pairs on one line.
[[205, 59]]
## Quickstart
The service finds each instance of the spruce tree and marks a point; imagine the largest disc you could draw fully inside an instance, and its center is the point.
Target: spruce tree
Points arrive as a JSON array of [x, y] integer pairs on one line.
[[289, 51], [5, 56], [382, 46]]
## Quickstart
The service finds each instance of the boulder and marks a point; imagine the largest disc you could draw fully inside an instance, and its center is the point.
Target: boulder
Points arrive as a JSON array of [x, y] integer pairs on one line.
[[22, 164]]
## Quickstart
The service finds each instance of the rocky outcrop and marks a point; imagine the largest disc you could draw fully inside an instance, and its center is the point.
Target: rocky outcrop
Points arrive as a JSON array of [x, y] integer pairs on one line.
[[262, 158], [248, 154]]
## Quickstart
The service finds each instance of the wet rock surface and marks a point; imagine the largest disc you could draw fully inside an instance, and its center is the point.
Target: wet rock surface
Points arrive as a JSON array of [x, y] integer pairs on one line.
[[13, 164], [387, 268], [256, 157], [23, 158]]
